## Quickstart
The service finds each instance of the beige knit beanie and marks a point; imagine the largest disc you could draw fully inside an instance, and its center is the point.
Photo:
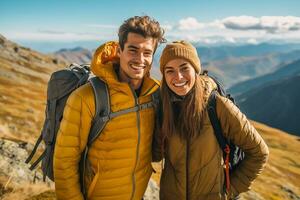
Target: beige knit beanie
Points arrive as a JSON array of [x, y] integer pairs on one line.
[[180, 49]]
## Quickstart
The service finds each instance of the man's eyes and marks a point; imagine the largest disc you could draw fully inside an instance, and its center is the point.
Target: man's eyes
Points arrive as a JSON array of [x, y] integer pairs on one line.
[[135, 51], [148, 54], [132, 50]]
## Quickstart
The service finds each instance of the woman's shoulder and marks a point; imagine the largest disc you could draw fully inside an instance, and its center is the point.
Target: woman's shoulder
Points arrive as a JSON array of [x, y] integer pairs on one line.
[[208, 85]]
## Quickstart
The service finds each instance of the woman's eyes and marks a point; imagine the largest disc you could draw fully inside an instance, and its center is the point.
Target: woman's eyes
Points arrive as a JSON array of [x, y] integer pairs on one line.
[[169, 71], [185, 68]]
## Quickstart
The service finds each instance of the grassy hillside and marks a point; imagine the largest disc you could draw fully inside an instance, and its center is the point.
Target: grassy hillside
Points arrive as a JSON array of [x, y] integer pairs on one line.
[[24, 74], [279, 180], [23, 79]]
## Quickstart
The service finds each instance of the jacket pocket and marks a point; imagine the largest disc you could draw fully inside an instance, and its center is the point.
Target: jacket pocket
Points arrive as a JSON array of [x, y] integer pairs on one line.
[[92, 185]]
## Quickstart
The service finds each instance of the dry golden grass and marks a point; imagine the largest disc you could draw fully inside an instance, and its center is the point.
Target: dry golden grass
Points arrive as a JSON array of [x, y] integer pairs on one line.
[[27, 191], [23, 79]]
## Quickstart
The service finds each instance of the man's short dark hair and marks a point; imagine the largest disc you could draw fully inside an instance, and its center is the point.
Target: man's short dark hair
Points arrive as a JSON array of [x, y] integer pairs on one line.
[[143, 25]]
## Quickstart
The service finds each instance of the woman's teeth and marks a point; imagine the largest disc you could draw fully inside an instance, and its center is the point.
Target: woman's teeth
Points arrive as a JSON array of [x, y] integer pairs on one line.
[[180, 84]]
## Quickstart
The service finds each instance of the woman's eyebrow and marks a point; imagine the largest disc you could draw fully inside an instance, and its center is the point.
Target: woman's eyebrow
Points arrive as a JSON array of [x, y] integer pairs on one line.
[[167, 67], [183, 64]]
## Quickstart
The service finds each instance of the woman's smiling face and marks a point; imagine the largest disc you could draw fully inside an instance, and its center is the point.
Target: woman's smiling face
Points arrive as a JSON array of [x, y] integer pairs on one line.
[[180, 76]]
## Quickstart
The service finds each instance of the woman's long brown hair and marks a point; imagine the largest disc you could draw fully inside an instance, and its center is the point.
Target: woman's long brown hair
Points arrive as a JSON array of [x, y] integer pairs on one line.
[[188, 121]]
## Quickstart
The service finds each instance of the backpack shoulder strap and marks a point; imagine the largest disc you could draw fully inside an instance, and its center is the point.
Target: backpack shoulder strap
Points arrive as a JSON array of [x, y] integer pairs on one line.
[[102, 106], [102, 112], [156, 96], [157, 102], [52, 104], [212, 112]]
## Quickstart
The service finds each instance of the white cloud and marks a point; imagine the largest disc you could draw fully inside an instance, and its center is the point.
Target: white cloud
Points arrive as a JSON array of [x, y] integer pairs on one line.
[[230, 39], [235, 29], [270, 24], [189, 23], [238, 29], [252, 41]]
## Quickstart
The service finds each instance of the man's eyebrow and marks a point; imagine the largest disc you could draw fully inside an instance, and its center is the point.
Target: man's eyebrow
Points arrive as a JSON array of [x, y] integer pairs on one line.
[[132, 47], [135, 47]]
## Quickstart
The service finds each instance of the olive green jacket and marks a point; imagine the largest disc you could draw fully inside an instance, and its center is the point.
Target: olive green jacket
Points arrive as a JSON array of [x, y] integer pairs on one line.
[[194, 168]]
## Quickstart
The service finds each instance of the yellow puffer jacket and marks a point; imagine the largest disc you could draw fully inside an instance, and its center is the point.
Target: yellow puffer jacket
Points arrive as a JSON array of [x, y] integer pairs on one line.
[[194, 168], [120, 157]]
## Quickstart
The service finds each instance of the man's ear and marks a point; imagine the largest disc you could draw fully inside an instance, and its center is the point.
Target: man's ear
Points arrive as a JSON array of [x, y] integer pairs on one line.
[[119, 51]]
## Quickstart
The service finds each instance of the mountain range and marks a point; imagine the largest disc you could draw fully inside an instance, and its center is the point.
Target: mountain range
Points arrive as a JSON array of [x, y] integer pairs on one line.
[[223, 52], [78, 55], [290, 69], [275, 104], [24, 74], [229, 64]]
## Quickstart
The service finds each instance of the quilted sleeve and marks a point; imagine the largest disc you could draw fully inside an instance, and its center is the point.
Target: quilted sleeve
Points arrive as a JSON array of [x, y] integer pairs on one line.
[[71, 141], [238, 129]]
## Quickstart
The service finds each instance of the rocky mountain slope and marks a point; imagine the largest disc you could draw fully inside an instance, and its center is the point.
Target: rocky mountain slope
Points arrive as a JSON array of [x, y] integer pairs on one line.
[[279, 180], [23, 78], [290, 69], [275, 103], [78, 55], [232, 70], [24, 74]]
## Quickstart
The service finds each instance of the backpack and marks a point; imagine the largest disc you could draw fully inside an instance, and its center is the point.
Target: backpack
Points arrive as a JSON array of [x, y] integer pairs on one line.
[[61, 84], [232, 154]]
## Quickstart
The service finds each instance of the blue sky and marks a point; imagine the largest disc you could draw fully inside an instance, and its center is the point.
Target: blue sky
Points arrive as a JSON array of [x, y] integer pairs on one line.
[[78, 22]]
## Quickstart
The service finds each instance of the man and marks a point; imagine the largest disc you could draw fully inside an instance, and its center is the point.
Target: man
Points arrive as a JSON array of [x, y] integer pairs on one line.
[[120, 158]]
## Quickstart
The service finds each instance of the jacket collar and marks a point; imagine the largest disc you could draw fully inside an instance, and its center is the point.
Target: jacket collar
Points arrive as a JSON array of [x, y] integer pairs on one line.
[[105, 63]]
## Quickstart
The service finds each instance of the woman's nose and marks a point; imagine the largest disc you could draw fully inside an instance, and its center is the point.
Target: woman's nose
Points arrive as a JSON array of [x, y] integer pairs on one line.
[[178, 75]]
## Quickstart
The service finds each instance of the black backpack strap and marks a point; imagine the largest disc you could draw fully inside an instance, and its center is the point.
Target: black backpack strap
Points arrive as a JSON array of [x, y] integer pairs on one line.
[[102, 105], [52, 124], [102, 115], [156, 99], [78, 70], [39, 140], [212, 112], [102, 111]]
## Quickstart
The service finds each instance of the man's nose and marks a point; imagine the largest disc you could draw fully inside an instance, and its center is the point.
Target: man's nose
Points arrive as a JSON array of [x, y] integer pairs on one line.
[[140, 58]]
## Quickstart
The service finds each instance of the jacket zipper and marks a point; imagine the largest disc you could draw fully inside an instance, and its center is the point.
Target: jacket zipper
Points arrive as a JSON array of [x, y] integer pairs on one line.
[[187, 167], [138, 143]]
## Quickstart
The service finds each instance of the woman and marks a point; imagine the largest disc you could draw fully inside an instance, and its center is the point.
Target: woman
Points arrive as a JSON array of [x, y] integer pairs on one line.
[[194, 166]]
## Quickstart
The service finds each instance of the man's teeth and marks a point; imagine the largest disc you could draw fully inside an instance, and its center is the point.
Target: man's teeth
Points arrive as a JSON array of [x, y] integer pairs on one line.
[[180, 84], [137, 67]]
